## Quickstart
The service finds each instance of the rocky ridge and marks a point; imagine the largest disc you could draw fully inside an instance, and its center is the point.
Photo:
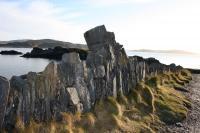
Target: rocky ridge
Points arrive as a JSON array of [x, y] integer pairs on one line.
[[42, 43], [75, 85]]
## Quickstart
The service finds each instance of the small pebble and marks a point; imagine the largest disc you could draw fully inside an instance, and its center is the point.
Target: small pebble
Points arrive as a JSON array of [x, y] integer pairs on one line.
[[179, 124]]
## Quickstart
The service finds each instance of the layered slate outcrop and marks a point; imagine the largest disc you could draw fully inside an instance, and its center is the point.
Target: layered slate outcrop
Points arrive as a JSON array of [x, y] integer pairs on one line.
[[75, 85], [107, 64]]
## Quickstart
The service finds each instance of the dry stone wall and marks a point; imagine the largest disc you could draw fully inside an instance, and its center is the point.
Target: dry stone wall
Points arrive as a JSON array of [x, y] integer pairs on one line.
[[74, 85]]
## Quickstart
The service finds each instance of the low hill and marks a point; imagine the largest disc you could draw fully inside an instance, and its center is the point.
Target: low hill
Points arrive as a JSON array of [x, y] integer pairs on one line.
[[164, 51], [43, 43]]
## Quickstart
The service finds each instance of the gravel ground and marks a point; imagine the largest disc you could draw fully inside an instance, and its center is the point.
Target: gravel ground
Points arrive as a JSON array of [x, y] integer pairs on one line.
[[192, 123]]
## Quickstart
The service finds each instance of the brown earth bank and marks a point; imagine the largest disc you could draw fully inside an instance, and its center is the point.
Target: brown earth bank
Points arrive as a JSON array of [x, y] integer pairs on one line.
[[192, 123]]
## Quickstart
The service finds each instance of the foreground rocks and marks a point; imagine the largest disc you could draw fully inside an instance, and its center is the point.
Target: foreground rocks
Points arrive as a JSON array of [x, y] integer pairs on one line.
[[4, 92], [77, 82]]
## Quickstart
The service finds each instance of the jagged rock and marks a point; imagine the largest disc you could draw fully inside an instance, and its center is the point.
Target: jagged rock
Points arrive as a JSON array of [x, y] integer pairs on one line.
[[74, 84], [72, 71], [136, 70], [174, 68], [107, 63], [75, 103], [154, 66], [59, 88], [18, 103], [71, 58], [150, 61], [4, 92], [98, 36]]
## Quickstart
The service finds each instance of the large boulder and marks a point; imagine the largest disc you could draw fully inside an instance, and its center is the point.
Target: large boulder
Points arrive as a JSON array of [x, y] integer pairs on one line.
[[98, 36]]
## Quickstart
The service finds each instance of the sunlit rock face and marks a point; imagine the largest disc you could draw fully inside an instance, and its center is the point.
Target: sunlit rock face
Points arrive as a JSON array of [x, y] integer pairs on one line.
[[107, 64], [72, 74], [75, 85], [137, 71]]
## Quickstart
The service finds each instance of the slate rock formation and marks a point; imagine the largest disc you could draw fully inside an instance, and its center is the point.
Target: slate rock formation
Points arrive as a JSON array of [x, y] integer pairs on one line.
[[75, 85], [107, 64]]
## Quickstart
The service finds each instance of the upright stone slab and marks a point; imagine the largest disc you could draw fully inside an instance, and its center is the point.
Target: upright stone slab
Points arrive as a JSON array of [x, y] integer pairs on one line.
[[137, 70], [71, 71], [107, 64]]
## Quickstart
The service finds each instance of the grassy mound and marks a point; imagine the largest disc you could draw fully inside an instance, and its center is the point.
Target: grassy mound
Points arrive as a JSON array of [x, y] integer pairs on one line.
[[153, 103]]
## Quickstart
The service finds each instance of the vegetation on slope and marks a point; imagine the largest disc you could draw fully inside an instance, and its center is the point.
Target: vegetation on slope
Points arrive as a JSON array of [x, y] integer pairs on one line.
[[146, 109]]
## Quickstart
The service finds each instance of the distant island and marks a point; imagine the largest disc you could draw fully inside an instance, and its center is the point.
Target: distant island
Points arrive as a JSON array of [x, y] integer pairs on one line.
[[50, 43], [11, 52], [164, 51], [42, 43]]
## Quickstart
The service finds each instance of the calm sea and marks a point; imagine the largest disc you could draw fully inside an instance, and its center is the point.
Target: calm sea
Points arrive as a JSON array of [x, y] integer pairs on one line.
[[15, 65], [185, 60]]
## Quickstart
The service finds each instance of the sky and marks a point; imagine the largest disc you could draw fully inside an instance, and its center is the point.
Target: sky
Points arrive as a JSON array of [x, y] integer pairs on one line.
[[138, 24]]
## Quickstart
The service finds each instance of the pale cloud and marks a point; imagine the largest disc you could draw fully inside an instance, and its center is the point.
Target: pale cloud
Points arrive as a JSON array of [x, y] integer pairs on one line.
[[173, 25], [100, 3], [158, 24], [38, 19]]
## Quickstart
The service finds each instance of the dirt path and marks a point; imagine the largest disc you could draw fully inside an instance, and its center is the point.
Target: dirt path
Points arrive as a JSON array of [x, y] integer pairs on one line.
[[192, 122]]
